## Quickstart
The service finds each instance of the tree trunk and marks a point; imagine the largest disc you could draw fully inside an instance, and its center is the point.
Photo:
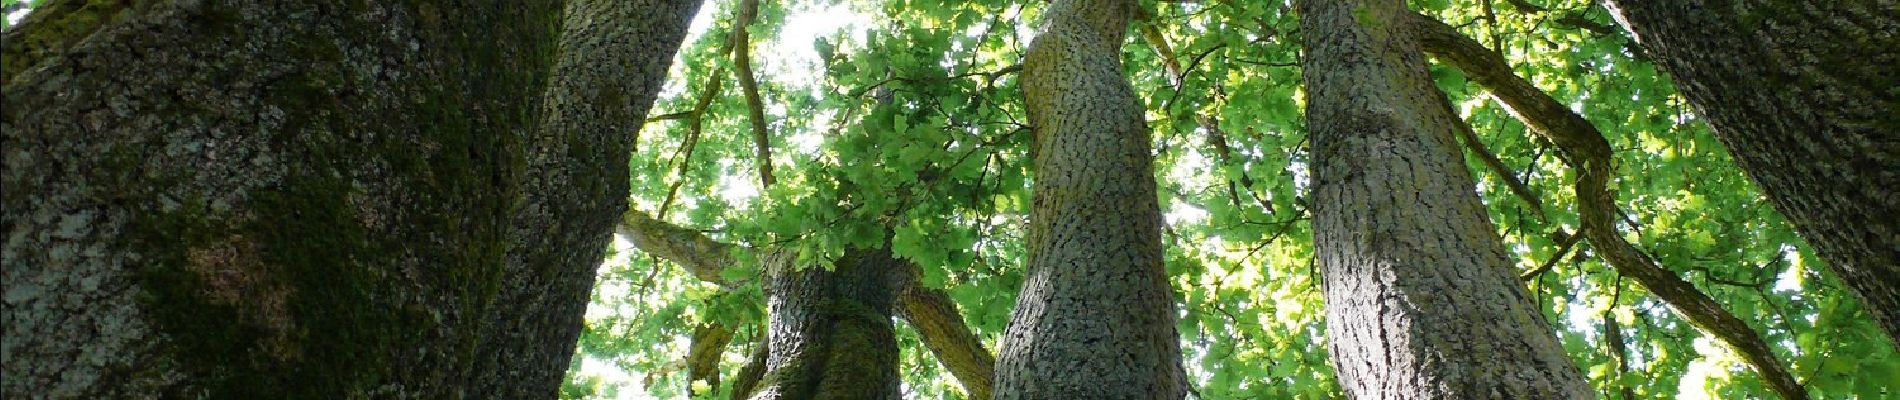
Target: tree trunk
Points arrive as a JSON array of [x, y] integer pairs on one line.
[[1096, 315], [1421, 302], [1804, 96], [241, 199], [830, 333], [930, 311]]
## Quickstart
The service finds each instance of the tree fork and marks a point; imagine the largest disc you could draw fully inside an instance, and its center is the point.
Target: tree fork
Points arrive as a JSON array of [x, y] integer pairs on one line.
[[1589, 154]]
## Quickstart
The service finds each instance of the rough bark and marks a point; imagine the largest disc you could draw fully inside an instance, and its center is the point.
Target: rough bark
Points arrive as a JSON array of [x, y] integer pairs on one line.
[[1095, 318], [941, 326], [1421, 301], [830, 330], [1803, 94], [1588, 152], [929, 310], [241, 199], [613, 57]]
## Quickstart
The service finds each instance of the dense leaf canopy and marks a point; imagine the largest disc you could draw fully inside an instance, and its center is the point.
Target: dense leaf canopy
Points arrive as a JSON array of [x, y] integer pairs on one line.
[[906, 114]]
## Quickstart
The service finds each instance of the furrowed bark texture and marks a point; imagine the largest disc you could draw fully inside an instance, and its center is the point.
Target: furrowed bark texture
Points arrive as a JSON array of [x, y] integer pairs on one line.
[[928, 310], [935, 317], [830, 331], [1589, 154], [613, 57], [1421, 301], [1095, 318], [240, 199], [1804, 95]]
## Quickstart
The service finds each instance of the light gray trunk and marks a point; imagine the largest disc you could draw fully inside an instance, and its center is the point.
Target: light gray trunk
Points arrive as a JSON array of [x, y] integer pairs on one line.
[[1806, 95], [1096, 317], [1421, 302], [247, 199]]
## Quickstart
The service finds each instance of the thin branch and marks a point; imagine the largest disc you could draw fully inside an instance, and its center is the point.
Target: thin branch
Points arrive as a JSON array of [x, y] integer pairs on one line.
[[1569, 241], [714, 83], [1490, 160], [749, 82]]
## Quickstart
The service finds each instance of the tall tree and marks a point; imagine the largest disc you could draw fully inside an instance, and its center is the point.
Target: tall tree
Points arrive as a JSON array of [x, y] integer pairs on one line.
[[314, 199], [1095, 318], [1803, 94], [1420, 299]]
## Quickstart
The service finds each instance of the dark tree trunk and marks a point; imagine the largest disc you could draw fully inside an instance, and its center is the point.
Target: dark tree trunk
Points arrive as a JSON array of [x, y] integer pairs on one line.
[[1804, 95], [245, 199], [930, 311], [830, 334], [1421, 302], [613, 57], [1096, 315]]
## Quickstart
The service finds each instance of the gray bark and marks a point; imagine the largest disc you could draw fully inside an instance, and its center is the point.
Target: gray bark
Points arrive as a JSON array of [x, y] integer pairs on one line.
[[246, 199], [1804, 96], [1421, 301], [1095, 319]]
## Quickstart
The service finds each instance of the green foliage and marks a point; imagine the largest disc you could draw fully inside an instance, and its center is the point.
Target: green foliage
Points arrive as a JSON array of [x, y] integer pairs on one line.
[[907, 118]]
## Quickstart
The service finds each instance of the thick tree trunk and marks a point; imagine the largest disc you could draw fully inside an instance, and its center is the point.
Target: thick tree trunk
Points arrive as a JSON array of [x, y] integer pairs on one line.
[[1421, 302], [613, 58], [1803, 94], [1096, 315], [241, 199], [830, 333]]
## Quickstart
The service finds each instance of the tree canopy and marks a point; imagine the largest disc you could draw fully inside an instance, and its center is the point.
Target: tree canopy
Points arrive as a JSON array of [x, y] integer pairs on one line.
[[907, 114]]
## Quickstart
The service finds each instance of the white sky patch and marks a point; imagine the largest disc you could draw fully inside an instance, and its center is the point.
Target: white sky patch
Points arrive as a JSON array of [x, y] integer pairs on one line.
[[790, 60], [1182, 213], [1790, 280], [701, 22], [1713, 364], [17, 15], [737, 189]]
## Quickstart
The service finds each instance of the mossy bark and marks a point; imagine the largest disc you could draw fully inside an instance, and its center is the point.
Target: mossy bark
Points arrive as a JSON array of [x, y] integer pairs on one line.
[[1421, 301], [264, 199], [939, 325], [1806, 96], [830, 333]]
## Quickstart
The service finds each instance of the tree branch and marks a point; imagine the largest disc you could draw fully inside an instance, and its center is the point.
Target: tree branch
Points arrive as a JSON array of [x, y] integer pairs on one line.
[[749, 82], [702, 359], [928, 310], [937, 321], [1490, 160], [1216, 137], [1589, 153]]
